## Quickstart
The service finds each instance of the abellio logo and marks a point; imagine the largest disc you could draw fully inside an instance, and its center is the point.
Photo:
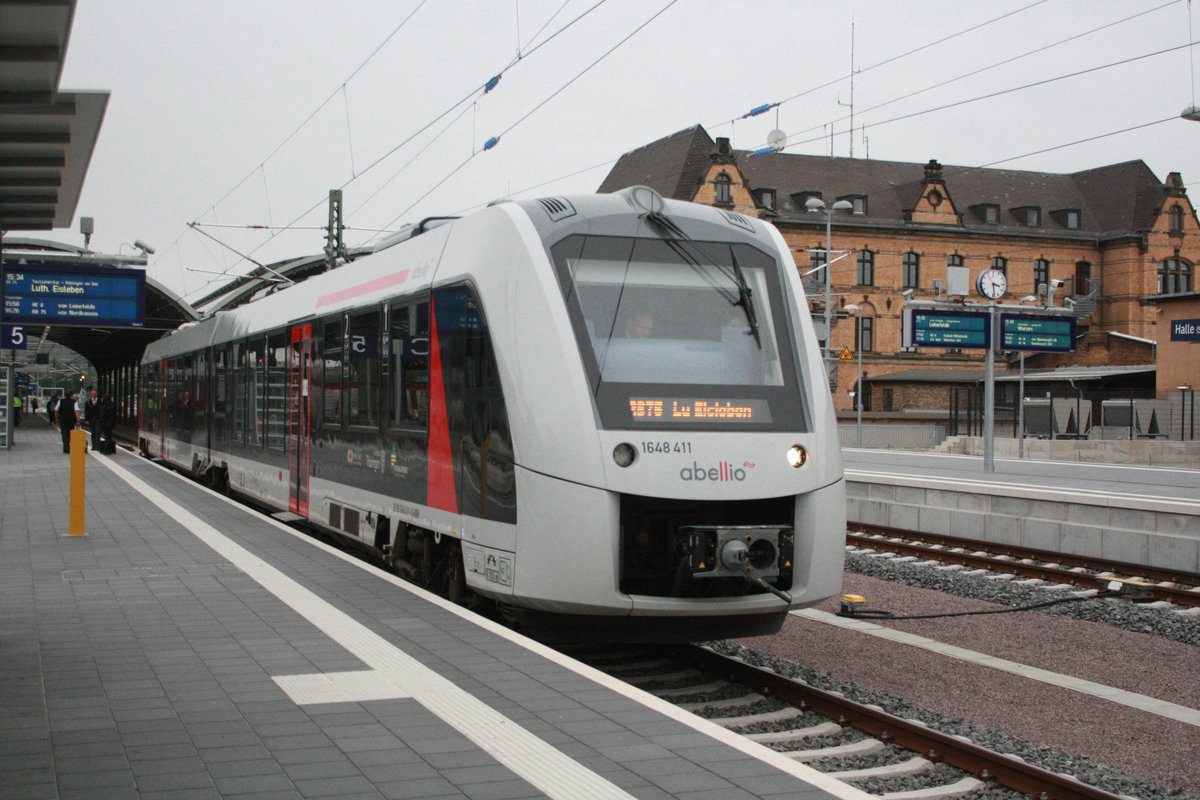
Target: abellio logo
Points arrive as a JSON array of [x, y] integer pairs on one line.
[[723, 472]]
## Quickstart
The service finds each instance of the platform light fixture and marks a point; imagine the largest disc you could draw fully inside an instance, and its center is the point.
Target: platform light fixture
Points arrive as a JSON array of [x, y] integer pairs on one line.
[[856, 310], [815, 205]]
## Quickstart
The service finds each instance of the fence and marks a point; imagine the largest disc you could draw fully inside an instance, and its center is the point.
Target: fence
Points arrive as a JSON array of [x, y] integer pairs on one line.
[[1122, 414]]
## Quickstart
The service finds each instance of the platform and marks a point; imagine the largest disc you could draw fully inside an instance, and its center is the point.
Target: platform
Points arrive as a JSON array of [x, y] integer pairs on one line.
[[186, 647], [1140, 515]]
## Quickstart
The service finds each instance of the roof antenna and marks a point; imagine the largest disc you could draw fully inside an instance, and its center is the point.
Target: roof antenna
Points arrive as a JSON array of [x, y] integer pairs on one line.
[[1192, 112]]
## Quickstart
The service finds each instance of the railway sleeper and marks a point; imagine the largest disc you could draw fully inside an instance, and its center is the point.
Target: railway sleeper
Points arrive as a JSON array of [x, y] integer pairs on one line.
[[699, 688], [811, 732], [957, 789], [765, 718], [861, 747], [665, 677], [916, 765], [732, 702]]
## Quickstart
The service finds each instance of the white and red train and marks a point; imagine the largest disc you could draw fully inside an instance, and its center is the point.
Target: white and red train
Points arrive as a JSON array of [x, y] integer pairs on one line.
[[607, 413]]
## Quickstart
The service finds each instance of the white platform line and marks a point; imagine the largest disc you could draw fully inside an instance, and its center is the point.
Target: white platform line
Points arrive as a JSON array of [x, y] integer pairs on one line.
[[779, 761], [1152, 705], [542, 765]]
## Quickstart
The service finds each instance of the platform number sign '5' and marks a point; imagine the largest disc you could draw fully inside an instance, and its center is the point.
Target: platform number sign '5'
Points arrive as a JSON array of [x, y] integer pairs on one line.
[[12, 337]]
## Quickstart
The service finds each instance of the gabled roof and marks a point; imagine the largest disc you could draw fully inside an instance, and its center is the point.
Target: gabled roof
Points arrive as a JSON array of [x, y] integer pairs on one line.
[[673, 166], [1119, 199]]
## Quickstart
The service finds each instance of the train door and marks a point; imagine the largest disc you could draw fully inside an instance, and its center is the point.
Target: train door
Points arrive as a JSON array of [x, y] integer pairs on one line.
[[160, 401], [300, 369]]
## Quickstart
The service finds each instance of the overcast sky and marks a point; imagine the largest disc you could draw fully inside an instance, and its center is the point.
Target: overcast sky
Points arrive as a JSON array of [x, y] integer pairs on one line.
[[206, 95]]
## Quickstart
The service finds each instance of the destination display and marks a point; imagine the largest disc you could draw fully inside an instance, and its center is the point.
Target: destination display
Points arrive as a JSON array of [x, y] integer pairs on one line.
[[1037, 332], [947, 329], [707, 410], [37, 294]]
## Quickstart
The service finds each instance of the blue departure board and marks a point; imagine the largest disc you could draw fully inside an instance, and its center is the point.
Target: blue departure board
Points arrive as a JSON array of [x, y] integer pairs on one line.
[[1044, 333], [39, 294], [948, 328]]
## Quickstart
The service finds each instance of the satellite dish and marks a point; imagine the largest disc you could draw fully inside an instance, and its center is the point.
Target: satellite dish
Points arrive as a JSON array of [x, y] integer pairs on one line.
[[777, 139]]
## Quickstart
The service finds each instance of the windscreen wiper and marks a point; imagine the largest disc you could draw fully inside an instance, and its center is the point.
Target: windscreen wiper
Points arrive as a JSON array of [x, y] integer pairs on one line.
[[743, 299]]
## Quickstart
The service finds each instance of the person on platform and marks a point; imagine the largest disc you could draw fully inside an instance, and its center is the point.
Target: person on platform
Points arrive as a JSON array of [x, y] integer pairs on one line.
[[106, 422], [51, 404], [91, 410], [16, 403], [69, 415]]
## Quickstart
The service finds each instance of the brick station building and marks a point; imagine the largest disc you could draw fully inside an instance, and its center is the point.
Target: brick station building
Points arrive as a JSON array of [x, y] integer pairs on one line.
[[1115, 235]]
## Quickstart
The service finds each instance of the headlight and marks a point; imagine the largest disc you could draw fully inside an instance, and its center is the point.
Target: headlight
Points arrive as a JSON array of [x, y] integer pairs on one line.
[[797, 456], [624, 454]]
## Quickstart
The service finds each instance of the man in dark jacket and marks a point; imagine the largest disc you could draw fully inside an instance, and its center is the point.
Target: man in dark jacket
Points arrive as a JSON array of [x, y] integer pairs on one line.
[[68, 417], [106, 421], [91, 414]]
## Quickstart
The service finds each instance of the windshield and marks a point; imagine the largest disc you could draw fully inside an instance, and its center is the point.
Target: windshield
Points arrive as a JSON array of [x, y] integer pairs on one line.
[[653, 316]]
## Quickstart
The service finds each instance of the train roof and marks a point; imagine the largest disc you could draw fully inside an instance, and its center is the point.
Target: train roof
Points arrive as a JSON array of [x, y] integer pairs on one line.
[[411, 264]]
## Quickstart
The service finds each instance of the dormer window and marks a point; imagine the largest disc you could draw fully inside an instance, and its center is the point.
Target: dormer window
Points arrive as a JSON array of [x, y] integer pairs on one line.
[[724, 189], [858, 203], [1067, 217], [987, 213], [766, 198], [1029, 216]]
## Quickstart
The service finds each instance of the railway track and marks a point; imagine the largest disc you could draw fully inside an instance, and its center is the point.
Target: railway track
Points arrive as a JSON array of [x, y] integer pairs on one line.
[[1140, 582], [879, 753]]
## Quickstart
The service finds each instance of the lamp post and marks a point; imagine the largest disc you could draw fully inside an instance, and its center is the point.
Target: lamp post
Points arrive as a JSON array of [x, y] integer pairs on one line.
[[1185, 391], [859, 390], [816, 205], [1021, 395]]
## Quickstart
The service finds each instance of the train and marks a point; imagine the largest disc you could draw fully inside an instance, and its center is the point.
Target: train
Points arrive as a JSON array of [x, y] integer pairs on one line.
[[605, 415]]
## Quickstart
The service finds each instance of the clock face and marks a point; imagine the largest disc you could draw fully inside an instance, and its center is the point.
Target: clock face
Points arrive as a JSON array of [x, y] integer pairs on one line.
[[992, 284]]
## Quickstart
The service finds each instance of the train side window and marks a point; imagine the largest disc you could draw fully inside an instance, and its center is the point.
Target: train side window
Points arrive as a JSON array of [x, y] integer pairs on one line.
[[331, 373], [253, 371], [364, 372], [408, 396], [237, 378], [276, 358]]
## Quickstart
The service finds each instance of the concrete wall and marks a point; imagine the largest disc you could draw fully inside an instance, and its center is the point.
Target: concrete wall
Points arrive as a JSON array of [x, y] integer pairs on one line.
[[1149, 452], [1155, 533]]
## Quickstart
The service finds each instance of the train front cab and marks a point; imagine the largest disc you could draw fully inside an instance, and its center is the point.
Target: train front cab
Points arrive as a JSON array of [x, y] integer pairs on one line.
[[699, 364]]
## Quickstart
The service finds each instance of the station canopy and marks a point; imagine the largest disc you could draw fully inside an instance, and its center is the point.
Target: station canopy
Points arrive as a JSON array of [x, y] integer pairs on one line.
[[47, 138]]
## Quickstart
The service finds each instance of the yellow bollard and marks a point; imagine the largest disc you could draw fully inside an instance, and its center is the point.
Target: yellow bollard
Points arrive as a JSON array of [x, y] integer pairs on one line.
[[78, 482]]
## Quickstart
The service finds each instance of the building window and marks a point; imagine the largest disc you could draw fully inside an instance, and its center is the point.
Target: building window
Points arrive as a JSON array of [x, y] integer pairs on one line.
[[889, 399], [1174, 276], [1000, 263], [724, 188], [1083, 274], [1041, 272], [766, 198], [911, 273], [858, 203], [865, 334], [817, 257], [866, 268], [1029, 216], [954, 260], [1176, 215], [1067, 217]]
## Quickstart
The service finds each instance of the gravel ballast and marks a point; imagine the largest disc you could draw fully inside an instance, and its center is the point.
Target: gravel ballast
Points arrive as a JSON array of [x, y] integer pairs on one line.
[[1148, 651]]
